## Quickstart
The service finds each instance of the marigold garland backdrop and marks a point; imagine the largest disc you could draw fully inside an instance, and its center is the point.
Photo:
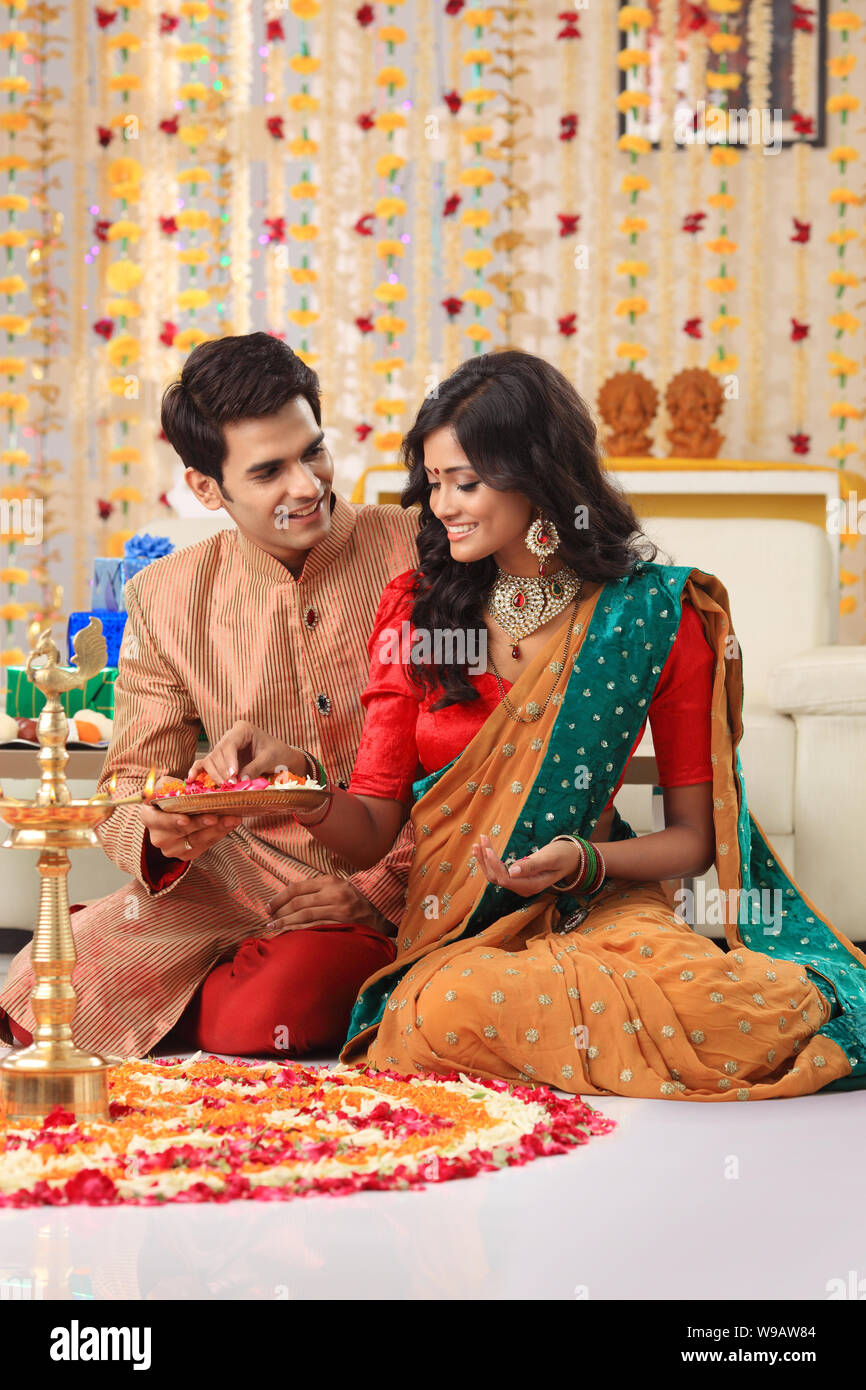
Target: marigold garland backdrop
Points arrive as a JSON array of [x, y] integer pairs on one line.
[[392, 187]]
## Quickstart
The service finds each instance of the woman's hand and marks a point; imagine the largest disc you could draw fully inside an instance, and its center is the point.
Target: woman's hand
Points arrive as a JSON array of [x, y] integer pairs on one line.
[[535, 873], [249, 752]]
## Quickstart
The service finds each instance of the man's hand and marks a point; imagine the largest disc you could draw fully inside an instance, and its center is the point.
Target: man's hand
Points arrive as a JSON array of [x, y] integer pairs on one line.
[[248, 750], [184, 837], [313, 902]]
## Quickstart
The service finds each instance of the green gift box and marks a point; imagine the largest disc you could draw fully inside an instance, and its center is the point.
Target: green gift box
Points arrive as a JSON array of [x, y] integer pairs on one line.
[[24, 700]]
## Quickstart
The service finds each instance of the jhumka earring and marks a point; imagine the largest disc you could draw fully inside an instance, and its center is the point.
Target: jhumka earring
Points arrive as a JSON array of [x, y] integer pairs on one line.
[[542, 539], [521, 605]]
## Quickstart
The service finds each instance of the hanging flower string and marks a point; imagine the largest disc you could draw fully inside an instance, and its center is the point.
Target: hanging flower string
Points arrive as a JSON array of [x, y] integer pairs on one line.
[[695, 217], [304, 230], [13, 404], [194, 54], [124, 274], [273, 235], [46, 41], [477, 177], [801, 233], [720, 83], [568, 220], [390, 248], [633, 60], [518, 21], [842, 104], [220, 183]]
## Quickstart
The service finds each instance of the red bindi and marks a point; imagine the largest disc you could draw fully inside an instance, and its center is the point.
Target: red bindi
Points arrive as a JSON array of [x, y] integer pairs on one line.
[[435, 470]]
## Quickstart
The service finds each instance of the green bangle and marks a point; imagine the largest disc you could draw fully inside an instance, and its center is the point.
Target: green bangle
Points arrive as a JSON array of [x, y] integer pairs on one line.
[[591, 865], [567, 885]]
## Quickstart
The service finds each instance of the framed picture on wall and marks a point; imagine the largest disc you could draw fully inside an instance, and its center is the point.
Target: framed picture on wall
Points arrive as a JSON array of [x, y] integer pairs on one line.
[[778, 125]]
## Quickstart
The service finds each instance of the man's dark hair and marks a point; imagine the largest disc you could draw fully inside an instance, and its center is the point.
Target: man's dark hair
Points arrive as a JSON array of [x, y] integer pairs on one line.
[[229, 379]]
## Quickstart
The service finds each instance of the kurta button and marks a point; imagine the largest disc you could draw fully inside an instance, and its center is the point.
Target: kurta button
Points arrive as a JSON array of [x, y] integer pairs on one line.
[[323, 704], [311, 617]]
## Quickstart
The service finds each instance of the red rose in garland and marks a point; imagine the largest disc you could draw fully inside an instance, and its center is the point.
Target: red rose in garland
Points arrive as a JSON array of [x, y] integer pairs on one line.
[[799, 331], [568, 126], [567, 325], [454, 101], [105, 509], [365, 324], [452, 306], [363, 226], [569, 21], [105, 17], [366, 120], [800, 443], [168, 225], [170, 125], [168, 23], [803, 125], [169, 333], [452, 203], [802, 18], [274, 30], [365, 15], [693, 222], [568, 223], [695, 18], [275, 127], [693, 328], [104, 327], [275, 228], [802, 231], [104, 135], [362, 431]]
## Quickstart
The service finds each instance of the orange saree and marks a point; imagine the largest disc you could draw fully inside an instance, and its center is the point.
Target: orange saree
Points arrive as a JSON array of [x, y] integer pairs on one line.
[[631, 1001]]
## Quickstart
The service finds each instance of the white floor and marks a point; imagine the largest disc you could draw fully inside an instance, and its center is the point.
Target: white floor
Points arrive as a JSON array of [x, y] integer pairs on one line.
[[680, 1201]]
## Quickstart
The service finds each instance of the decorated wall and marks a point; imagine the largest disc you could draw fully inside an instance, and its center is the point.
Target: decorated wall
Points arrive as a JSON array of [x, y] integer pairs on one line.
[[394, 187]]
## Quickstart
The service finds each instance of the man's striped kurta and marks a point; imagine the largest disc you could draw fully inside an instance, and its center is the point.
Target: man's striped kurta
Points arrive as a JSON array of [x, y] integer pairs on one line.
[[218, 632]]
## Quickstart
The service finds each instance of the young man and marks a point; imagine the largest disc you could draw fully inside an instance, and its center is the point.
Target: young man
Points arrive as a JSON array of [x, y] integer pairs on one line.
[[267, 624]]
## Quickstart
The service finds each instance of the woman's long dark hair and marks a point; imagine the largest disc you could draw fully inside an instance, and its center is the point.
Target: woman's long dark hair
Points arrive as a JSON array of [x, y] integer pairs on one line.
[[523, 428]]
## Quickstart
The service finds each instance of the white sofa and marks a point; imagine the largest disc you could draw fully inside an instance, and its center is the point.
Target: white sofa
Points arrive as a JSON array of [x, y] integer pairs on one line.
[[803, 750]]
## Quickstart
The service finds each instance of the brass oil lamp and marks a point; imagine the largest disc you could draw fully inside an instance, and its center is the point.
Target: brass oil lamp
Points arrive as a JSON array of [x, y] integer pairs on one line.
[[53, 1071]]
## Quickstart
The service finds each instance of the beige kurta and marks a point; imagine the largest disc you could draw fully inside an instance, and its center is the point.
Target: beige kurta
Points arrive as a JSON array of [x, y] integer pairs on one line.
[[218, 632]]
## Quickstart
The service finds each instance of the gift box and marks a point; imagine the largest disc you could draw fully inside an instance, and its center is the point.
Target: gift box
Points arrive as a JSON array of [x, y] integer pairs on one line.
[[108, 584], [24, 700], [113, 625], [140, 551]]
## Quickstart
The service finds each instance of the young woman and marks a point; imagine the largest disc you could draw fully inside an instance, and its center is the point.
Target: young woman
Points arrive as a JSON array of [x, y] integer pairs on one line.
[[538, 943]]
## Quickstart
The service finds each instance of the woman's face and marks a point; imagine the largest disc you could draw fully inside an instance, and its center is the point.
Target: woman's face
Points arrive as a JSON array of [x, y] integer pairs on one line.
[[478, 520]]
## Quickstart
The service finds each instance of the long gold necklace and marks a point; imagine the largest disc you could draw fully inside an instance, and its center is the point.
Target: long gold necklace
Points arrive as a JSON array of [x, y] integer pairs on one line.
[[534, 710]]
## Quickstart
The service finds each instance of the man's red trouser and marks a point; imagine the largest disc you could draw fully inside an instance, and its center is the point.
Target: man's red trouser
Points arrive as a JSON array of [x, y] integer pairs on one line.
[[289, 994]]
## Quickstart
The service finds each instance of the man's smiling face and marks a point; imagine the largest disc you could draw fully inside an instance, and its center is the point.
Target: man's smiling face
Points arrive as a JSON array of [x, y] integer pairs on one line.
[[276, 485]]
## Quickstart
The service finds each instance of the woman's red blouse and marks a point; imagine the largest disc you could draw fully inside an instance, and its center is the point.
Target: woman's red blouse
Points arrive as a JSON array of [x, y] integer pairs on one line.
[[404, 740]]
